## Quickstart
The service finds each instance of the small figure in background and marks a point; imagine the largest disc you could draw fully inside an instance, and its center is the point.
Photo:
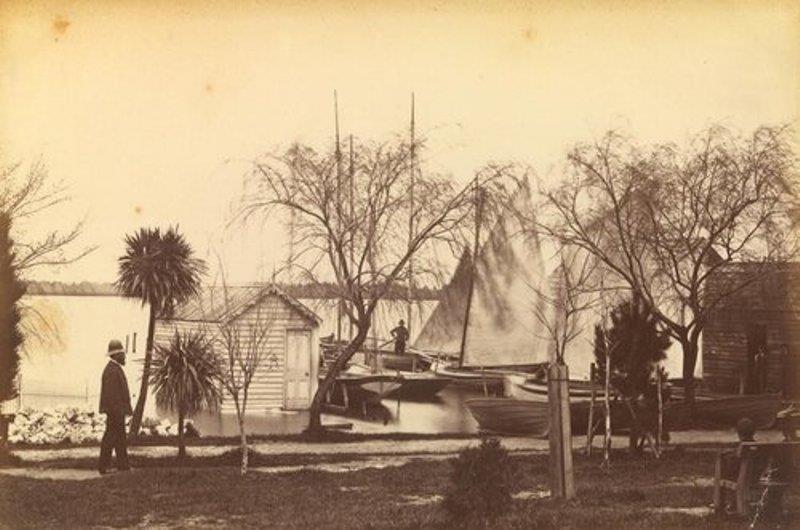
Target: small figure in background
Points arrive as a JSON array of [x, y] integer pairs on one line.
[[400, 336], [115, 403], [761, 370]]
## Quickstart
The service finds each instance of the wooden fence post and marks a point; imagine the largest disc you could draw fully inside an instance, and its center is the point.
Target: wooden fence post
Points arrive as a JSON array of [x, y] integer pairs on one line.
[[590, 425], [562, 484]]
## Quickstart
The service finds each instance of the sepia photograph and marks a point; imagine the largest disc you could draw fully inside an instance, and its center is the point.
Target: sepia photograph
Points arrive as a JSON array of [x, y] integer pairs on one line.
[[400, 264]]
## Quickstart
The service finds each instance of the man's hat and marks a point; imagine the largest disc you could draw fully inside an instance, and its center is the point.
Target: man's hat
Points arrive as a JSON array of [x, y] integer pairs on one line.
[[115, 346]]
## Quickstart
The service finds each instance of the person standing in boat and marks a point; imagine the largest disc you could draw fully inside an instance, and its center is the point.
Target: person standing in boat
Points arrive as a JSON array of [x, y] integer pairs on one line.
[[400, 336]]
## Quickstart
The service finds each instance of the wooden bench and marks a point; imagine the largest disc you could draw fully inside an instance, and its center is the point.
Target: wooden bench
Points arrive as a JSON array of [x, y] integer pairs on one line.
[[752, 459]]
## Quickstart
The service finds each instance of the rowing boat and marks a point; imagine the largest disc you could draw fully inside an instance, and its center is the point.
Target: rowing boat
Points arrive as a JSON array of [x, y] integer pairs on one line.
[[510, 416], [531, 388], [504, 415], [723, 411], [418, 385]]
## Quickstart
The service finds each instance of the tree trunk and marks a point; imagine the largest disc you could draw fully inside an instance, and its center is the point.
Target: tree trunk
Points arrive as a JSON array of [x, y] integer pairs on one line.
[[607, 407], [242, 443], [5, 451], [181, 440], [689, 363], [314, 421], [138, 412]]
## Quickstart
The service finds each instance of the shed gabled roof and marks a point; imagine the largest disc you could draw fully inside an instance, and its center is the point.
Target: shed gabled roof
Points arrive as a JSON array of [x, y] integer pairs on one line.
[[217, 304], [766, 286]]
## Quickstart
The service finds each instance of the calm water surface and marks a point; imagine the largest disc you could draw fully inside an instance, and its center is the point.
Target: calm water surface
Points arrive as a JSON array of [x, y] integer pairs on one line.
[[446, 414]]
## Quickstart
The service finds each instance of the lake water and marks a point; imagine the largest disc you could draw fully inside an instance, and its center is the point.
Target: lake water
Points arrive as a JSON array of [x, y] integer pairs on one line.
[[447, 413]]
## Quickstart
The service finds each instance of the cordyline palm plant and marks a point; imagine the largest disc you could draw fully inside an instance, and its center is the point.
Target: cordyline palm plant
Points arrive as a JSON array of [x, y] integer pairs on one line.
[[185, 377], [159, 269]]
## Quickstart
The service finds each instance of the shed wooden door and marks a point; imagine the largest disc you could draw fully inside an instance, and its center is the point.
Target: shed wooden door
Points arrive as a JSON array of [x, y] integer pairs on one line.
[[297, 393]]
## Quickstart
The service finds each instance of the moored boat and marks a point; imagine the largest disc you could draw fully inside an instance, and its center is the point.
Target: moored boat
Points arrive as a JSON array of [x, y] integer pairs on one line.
[[359, 381], [489, 381], [505, 415], [534, 388], [419, 385], [723, 411], [510, 416], [517, 416]]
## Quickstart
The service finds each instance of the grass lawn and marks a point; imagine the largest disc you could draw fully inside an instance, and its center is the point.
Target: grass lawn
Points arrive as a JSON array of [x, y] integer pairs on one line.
[[208, 496]]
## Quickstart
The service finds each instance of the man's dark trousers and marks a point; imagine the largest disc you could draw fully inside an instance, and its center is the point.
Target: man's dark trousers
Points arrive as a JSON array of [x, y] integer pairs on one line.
[[114, 439]]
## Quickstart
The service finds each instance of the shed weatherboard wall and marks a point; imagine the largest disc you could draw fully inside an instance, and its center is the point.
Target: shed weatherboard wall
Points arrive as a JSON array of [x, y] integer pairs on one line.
[[771, 303], [267, 390]]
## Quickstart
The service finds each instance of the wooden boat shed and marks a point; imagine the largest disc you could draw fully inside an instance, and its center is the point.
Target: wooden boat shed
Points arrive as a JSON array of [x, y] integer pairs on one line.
[[287, 375], [751, 342]]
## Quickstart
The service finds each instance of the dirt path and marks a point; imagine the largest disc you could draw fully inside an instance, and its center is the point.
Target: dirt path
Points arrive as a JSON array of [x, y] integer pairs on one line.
[[379, 447]]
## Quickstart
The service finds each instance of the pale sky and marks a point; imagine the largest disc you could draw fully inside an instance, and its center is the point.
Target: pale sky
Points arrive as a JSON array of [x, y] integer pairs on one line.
[[150, 114]]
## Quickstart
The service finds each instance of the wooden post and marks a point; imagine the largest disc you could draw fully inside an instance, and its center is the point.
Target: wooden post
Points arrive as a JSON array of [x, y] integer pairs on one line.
[[562, 484], [590, 425], [606, 399], [660, 429]]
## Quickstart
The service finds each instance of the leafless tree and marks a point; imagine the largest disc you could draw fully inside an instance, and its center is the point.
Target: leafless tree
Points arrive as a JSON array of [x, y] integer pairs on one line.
[[358, 223], [572, 290], [664, 220], [26, 194], [241, 340]]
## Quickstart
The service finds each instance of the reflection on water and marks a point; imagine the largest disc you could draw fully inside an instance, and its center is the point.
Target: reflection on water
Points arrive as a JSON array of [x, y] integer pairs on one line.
[[446, 413]]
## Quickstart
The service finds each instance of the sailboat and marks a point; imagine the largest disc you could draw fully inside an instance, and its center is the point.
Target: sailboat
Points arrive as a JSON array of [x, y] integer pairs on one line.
[[485, 317]]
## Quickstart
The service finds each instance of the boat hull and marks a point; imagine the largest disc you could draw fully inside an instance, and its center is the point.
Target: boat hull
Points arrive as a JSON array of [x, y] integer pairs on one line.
[[487, 381], [522, 386], [515, 416], [419, 385], [510, 416], [723, 412]]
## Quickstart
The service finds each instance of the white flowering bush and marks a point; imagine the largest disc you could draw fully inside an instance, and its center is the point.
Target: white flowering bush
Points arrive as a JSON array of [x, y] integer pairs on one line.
[[71, 425]]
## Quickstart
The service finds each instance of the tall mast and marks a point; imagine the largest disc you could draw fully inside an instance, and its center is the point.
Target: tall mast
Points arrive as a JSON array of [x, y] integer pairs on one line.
[[412, 164], [352, 219], [338, 155], [473, 269]]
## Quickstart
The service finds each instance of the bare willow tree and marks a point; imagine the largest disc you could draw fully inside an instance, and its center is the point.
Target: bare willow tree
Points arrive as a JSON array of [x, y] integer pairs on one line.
[[26, 194], [357, 222], [245, 318], [559, 305], [664, 220]]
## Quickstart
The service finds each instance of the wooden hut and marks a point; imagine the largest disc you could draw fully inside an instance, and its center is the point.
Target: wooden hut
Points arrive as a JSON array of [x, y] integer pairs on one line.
[[287, 373], [751, 342]]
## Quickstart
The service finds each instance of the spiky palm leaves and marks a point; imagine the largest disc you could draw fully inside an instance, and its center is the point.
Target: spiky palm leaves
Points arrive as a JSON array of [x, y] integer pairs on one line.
[[185, 378], [160, 270]]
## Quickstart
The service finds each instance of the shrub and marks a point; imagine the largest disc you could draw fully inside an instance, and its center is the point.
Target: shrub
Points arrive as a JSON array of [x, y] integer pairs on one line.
[[481, 482], [70, 425]]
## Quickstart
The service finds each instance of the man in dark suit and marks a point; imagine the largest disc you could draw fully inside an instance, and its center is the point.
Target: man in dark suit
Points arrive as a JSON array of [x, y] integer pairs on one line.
[[115, 402]]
